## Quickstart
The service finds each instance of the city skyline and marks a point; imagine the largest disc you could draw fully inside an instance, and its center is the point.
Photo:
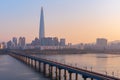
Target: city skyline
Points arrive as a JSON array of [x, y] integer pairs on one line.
[[77, 21]]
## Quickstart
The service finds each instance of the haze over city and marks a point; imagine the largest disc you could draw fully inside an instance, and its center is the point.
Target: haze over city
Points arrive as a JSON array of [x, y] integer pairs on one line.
[[77, 21]]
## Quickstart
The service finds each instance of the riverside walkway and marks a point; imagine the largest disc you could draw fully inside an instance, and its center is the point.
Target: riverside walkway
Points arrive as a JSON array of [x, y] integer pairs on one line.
[[42, 65]]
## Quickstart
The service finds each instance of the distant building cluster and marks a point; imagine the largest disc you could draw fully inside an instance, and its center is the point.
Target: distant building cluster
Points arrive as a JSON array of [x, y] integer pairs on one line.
[[16, 43], [47, 43], [44, 43], [101, 44]]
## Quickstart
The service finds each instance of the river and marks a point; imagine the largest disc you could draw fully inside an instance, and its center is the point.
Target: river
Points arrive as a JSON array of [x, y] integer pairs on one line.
[[108, 64], [12, 69]]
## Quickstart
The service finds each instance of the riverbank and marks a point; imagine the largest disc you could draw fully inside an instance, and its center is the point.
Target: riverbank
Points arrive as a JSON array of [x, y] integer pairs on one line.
[[2, 52]]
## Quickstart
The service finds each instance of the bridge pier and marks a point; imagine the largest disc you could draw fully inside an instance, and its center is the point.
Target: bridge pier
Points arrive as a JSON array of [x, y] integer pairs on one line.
[[70, 75], [76, 76], [56, 75], [35, 64], [39, 66], [59, 74], [65, 74], [29, 62], [51, 72], [26, 59], [32, 63], [44, 69]]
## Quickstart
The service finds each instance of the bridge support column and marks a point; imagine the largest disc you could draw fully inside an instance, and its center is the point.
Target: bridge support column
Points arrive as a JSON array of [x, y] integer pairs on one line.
[[70, 75], [56, 73], [65, 75], [51, 70], [91, 78], [59, 74], [39, 66], [76, 76], [44, 69], [26, 60], [31, 63], [35, 64]]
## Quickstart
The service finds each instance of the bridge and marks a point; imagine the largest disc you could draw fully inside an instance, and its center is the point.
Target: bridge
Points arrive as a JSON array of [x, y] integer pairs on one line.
[[42, 65]]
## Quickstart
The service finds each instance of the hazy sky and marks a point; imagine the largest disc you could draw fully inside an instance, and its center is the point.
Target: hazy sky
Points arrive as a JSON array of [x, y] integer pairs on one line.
[[76, 20]]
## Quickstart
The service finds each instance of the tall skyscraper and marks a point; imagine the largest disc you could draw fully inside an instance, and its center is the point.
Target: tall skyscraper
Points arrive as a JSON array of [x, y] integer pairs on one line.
[[41, 31]]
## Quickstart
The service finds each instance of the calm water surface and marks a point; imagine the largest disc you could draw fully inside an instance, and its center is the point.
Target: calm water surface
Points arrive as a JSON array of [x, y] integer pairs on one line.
[[12, 69], [103, 63]]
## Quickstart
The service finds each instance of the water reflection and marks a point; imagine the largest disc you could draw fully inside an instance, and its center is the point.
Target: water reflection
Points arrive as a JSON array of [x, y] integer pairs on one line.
[[12, 69], [99, 62]]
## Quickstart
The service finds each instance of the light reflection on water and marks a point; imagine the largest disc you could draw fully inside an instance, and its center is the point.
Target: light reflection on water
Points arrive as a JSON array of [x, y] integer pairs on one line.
[[12, 69], [99, 62]]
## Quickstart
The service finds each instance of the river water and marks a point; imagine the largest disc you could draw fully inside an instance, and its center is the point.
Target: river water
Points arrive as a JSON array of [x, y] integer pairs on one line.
[[108, 64], [12, 69]]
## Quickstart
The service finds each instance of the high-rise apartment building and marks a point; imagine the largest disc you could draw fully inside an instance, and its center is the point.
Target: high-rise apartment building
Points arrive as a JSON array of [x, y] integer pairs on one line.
[[101, 43], [22, 42], [62, 42], [15, 41]]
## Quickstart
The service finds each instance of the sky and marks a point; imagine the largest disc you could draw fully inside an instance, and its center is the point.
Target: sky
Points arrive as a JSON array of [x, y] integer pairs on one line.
[[79, 21]]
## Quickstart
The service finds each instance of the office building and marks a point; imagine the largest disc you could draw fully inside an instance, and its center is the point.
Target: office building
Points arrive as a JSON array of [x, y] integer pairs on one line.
[[21, 43], [101, 43], [62, 42], [14, 41]]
